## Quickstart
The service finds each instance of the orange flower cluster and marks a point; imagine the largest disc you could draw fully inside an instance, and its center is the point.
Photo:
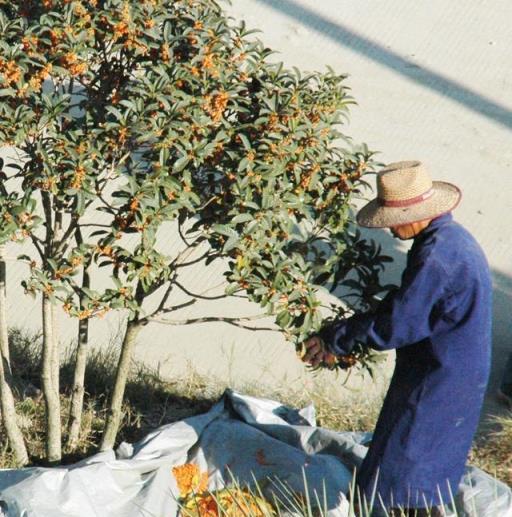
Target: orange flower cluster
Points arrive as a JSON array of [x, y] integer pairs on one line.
[[29, 43], [190, 479], [64, 271], [229, 502], [76, 261], [78, 177], [55, 36], [71, 62], [46, 184], [81, 12], [104, 250], [215, 105], [123, 133], [10, 70], [37, 79], [85, 313], [165, 53], [208, 64], [121, 30]]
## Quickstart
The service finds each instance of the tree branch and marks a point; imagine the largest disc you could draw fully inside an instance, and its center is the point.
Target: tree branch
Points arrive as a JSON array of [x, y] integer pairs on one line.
[[62, 243], [95, 225], [155, 316], [163, 301], [47, 207], [182, 255], [237, 322], [35, 242], [196, 260], [180, 232], [201, 296]]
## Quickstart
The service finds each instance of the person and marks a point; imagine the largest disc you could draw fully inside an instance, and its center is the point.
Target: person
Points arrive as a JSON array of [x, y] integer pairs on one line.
[[439, 322]]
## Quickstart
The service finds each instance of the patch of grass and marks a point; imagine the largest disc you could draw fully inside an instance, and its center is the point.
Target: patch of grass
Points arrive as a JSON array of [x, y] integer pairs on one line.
[[150, 401], [493, 453]]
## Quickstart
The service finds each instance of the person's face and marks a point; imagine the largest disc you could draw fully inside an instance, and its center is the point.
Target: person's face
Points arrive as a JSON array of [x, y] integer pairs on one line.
[[408, 231], [403, 232]]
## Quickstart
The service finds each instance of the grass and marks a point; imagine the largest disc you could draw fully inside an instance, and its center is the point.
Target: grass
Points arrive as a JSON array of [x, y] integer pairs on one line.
[[493, 453], [152, 401]]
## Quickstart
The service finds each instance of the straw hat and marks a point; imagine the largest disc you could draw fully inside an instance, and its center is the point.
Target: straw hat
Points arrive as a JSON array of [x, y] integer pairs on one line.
[[406, 194]]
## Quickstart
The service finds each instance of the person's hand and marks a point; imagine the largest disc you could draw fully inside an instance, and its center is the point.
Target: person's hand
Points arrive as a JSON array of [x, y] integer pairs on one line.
[[314, 352]]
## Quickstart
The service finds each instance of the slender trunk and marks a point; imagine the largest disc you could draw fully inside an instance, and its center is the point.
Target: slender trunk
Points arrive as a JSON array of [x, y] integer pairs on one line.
[[57, 235], [12, 429], [123, 368], [50, 384], [77, 397], [4, 335], [14, 434], [55, 353]]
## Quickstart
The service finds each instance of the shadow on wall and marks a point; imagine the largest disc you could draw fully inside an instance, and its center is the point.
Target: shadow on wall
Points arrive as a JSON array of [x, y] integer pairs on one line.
[[421, 75]]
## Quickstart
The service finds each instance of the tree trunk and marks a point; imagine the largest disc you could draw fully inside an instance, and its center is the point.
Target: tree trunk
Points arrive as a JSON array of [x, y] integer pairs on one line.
[[50, 383], [14, 435], [77, 397], [116, 400], [4, 334], [12, 429]]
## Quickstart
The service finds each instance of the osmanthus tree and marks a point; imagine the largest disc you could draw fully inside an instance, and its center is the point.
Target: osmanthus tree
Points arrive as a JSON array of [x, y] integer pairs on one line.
[[144, 120], [57, 175]]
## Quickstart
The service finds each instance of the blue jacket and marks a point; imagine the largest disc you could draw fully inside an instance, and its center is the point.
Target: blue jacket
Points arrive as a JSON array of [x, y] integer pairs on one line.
[[439, 320]]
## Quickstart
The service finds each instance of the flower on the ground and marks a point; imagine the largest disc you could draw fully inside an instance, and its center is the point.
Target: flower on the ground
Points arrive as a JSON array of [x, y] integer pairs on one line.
[[229, 502], [190, 479], [197, 501]]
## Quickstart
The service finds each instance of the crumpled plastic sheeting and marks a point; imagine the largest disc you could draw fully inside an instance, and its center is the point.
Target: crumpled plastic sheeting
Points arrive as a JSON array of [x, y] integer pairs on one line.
[[241, 436]]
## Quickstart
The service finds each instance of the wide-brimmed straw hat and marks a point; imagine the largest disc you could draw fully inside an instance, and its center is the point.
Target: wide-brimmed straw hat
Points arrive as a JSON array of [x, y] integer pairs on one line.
[[407, 194]]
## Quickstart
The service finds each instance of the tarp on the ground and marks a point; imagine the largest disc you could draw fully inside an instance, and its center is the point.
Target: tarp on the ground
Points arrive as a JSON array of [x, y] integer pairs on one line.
[[241, 436]]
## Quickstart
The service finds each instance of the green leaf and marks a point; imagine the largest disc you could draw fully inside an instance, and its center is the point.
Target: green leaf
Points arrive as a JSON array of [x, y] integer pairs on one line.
[[242, 218], [231, 243], [180, 164]]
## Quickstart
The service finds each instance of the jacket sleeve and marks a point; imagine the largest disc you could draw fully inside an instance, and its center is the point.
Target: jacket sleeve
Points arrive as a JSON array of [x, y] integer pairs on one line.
[[405, 316]]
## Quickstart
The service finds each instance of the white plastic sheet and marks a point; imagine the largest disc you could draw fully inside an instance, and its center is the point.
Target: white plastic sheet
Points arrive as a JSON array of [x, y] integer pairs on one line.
[[243, 436]]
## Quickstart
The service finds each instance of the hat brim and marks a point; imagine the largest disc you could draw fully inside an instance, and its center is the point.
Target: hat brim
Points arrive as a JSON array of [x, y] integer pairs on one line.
[[445, 198]]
